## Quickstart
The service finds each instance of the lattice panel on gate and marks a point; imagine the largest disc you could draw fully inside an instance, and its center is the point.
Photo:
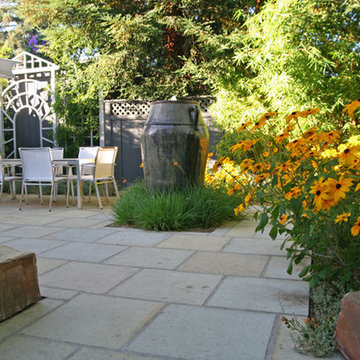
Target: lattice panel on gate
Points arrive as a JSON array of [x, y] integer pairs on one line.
[[130, 108], [134, 108]]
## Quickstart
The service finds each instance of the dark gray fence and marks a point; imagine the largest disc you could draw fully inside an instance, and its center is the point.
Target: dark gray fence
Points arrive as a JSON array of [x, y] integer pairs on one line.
[[122, 123]]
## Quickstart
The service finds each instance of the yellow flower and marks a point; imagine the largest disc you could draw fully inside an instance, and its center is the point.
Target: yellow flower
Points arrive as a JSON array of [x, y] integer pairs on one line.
[[344, 217], [210, 154], [265, 154], [247, 198], [293, 115], [142, 165], [308, 134], [339, 188], [350, 108], [244, 145], [320, 190], [356, 228], [283, 219], [275, 150], [238, 209], [331, 136], [284, 167], [357, 187], [243, 126], [329, 154], [280, 138], [217, 164], [261, 177], [261, 122], [259, 167], [348, 153], [293, 193]]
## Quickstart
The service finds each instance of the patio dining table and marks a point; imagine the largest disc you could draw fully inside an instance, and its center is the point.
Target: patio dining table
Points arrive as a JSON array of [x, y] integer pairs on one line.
[[68, 162]]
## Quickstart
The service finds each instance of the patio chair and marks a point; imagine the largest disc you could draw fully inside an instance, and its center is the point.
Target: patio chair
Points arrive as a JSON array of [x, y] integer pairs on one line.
[[102, 172], [38, 170], [86, 153], [5, 175], [57, 154]]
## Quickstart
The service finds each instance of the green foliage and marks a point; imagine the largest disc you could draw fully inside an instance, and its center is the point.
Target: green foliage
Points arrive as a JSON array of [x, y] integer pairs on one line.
[[317, 335], [293, 55], [139, 49], [182, 209]]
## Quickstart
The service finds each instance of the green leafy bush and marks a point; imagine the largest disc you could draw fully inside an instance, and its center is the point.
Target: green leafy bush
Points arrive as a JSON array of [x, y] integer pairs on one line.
[[182, 209]]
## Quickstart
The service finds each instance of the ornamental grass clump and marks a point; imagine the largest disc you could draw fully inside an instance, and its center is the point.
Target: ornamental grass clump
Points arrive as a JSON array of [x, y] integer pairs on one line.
[[188, 207], [308, 183]]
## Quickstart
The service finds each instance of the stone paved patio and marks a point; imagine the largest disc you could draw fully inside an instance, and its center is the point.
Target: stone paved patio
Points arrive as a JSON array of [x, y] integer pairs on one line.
[[127, 294]]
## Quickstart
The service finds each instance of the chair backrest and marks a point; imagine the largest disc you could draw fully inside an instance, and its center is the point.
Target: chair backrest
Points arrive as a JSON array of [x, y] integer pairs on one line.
[[105, 162], [36, 164], [89, 152], [57, 153]]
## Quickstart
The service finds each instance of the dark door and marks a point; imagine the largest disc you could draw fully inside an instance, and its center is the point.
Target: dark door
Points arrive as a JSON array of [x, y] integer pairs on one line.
[[27, 126]]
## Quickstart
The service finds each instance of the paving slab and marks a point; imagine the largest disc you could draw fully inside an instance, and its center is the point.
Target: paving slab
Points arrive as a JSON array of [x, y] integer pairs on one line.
[[28, 348], [269, 295], [31, 231], [278, 266], [6, 238], [76, 222], [225, 264], [44, 265], [54, 293], [37, 246], [87, 353], [4, 227], [21, 320], [20, 219], [134, 237], [150, 257], [198, 333], [80, 234], [284, 346], [169, 286], [93, 278], [82, 251], [195, 242], [95, 321], [255, 246]]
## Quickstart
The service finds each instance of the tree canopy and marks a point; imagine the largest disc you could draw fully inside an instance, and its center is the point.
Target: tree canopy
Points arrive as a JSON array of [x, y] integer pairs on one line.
[[137, 49], [294, 55]]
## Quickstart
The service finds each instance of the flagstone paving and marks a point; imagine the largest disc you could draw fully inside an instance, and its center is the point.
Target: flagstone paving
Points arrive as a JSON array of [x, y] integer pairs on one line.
[[128, 294]]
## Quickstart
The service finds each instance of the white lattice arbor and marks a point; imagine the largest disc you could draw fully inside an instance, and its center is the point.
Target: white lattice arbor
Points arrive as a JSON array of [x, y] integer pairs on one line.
[[27, 117]]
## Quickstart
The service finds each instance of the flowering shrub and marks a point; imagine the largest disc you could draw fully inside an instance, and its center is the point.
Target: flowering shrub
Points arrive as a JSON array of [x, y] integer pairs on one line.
[[308, 184]]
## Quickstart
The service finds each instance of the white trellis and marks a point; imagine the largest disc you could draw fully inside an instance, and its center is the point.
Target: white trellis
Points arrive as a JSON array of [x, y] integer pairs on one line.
[[33, 89]]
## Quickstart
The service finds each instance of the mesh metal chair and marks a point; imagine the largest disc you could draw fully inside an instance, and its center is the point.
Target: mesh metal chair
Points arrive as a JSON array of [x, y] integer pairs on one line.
[[5, 175], [86, 153], [39, 170], [102, 172], [57, 154]]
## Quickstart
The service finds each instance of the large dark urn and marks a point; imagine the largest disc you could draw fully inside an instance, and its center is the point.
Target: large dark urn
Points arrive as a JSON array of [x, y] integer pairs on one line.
[[175, 145]]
